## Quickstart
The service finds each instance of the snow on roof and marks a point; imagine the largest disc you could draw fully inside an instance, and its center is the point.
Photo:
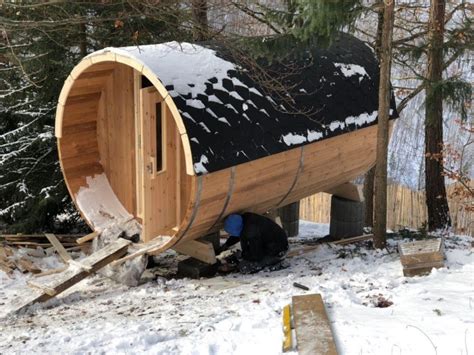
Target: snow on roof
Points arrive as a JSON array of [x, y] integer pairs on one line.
[[232, 118]]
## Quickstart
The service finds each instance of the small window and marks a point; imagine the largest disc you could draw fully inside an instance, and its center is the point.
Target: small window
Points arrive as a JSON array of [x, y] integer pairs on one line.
[[145, 82], [159, 138]]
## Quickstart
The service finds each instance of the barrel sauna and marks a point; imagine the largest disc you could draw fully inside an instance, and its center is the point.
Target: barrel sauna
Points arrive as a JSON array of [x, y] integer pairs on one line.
[[176, 136]]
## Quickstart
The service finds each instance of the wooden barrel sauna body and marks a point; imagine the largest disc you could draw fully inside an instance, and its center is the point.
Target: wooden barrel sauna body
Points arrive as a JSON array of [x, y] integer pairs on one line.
[[176, 136]]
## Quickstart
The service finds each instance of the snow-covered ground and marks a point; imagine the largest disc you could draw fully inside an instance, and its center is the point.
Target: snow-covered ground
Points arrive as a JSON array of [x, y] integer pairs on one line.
[[241, 314]]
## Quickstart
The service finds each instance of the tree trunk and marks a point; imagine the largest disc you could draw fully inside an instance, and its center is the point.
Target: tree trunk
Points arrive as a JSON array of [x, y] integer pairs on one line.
[[200, 26], [83, 39], [369, 197], [436, 200], [370, 175], [380, 225]]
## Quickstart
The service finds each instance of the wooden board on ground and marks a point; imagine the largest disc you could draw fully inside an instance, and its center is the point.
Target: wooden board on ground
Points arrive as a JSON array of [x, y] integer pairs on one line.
[[420, 257], [310, 248], [353, 239], [73, 274], [313, 331], [87, 238], [64, 255]]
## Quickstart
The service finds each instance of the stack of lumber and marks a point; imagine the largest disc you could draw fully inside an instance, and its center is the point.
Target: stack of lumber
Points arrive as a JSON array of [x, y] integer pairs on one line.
[[39, 240], [18, 251], [420, 257], [75, 271], [10, 262]]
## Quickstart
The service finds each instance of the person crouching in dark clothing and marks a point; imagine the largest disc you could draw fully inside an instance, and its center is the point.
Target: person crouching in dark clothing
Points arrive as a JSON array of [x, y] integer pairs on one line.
[[263, 242]]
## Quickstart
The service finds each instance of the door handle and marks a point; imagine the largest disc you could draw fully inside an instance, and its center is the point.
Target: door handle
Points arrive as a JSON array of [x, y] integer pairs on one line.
[[151, 166]]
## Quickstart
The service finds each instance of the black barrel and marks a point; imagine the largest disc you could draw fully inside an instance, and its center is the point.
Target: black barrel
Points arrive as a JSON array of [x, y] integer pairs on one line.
[[347, 218], [290, 217]]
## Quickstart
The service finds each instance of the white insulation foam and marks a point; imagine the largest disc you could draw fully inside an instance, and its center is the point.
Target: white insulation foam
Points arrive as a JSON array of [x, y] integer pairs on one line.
[[99, 204]]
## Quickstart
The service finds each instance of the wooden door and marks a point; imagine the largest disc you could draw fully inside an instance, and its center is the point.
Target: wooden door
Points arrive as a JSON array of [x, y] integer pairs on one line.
[[158, 170]]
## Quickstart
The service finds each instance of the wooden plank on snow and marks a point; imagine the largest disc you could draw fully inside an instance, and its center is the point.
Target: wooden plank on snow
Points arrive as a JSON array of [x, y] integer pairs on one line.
[[313, 331], [59, 247], [87, 238], [73, 274], [353, 239]]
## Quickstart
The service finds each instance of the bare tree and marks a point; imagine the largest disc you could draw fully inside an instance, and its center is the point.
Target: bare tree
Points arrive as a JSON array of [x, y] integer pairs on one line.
[[370, 175], [380, 225]]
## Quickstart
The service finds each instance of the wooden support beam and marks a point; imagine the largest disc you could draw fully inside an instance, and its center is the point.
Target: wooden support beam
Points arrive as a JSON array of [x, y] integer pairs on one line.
[[349, 191], [313, 331], [72, 275], [201, 250], [87, 238], [59, 247]]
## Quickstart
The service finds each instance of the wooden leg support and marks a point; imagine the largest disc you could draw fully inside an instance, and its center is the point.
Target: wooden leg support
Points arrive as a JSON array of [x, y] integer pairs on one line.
[[200, 250], [348, 191]]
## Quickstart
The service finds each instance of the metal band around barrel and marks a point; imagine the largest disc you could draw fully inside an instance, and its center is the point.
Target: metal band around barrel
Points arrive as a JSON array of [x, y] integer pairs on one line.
[[195, 208], [295, 180], [227, 198]]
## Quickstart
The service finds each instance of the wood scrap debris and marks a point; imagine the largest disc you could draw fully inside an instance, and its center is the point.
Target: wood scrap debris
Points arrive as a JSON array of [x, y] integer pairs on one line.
[[43, 291], [9, 262], [38, 240], [420, 257], [24, 261], [87, 238], [315, 245], [359, 238]]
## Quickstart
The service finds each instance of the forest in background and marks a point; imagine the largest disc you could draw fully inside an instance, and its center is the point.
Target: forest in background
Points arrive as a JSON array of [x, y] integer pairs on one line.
[[42, 41]]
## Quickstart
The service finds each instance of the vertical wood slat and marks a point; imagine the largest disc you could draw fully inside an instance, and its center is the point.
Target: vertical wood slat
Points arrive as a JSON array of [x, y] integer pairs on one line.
[[406, 209]]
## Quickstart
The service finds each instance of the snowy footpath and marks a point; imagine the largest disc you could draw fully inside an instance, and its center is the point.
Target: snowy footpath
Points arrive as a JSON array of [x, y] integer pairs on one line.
[[241, 314]]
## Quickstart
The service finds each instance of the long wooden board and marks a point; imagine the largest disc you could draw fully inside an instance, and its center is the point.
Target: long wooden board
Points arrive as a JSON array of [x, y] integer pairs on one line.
[[313, 331], [73, 274]]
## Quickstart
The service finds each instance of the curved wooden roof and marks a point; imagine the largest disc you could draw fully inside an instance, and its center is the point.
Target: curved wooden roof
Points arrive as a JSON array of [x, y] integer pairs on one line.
[[231, 117]]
